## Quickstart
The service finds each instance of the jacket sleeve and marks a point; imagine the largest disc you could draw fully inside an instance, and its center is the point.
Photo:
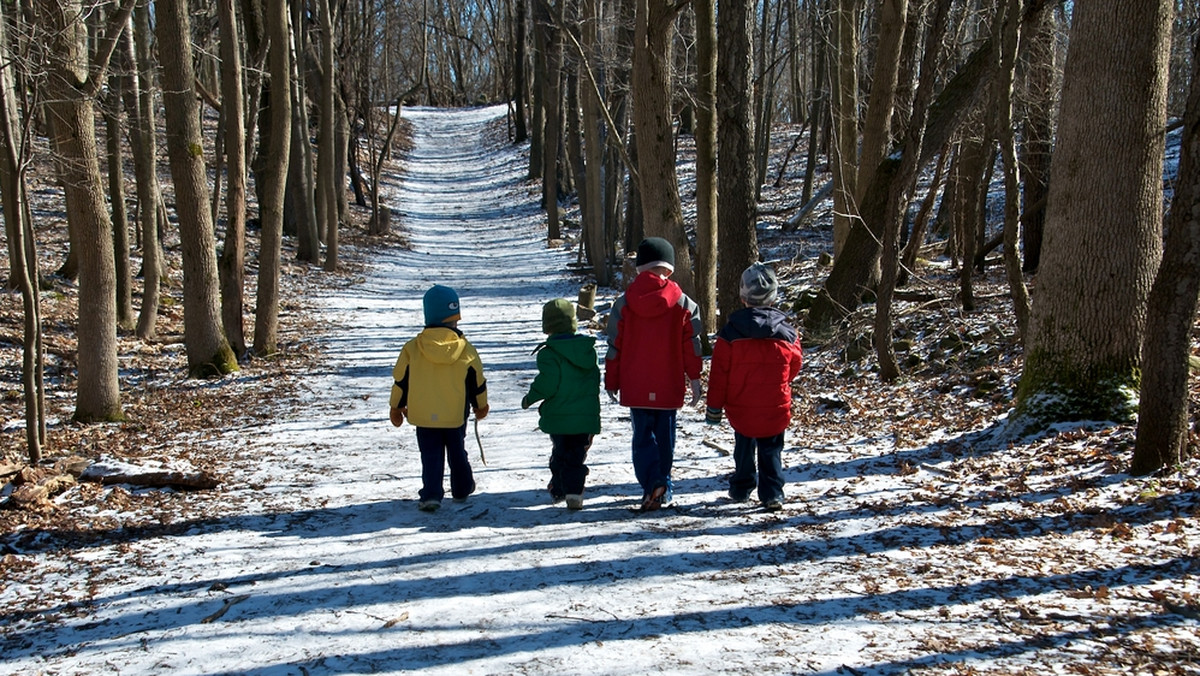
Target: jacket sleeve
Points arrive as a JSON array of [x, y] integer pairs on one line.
[[718, 375], [693, 351], [797, 360], [612, 358], [545, 384], [399, 396], [476, 384]]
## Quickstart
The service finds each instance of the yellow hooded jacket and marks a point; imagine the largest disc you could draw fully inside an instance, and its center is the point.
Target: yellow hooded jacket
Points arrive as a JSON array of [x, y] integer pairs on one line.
[[439, 377]]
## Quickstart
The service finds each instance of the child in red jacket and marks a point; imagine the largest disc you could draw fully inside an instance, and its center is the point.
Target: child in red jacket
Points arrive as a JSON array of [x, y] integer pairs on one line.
[[653, 353], [755, 359]]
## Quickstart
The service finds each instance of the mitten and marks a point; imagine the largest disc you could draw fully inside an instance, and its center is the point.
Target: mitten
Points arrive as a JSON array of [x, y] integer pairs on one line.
[[713, 416]]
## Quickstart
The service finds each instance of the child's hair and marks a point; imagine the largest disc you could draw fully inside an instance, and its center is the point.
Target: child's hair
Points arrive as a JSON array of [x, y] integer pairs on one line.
[[758, 285]]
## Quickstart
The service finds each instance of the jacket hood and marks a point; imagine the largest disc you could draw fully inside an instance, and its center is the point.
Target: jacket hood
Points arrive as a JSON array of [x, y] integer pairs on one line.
[[577, 349], [758, 322], [441, 344], [650, 295]]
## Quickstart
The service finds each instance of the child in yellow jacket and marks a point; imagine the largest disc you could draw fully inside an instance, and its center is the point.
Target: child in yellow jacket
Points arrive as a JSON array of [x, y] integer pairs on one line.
[[438, 377]]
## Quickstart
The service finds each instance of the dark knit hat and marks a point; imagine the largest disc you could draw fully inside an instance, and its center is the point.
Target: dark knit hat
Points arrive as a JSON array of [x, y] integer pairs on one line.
[[441, 305], [558, 316], [758, 285], [653, 252]]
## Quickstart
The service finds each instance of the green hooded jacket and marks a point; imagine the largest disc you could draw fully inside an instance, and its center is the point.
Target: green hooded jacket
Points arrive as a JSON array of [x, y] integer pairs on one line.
[[567, 384]]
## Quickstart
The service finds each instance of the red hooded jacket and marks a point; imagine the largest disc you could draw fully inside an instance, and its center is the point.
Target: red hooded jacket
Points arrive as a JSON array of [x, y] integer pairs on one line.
[[653, 344], [755, 358]]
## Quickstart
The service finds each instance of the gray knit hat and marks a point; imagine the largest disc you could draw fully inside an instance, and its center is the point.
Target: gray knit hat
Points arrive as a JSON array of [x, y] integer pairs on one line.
[[758, 285]]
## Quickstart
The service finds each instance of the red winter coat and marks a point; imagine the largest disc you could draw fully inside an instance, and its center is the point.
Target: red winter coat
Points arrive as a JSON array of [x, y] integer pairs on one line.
[[754, 360], [653, 344]]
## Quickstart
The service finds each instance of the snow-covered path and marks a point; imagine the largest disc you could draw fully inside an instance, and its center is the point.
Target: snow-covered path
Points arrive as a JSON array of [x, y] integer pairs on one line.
[[330, 568]]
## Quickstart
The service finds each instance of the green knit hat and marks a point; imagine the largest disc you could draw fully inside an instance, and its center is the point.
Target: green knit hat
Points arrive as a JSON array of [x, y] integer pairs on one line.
[[558, 316]]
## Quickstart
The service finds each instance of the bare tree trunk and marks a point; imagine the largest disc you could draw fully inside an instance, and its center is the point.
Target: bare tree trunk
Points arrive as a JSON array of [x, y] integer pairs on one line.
[[21, 249], [301, 193], [877, 127], [233, 256], [1162, 430], [1037, 135], [111, 111], [737, 207], [327, 215], [274, 179], [520, 95], [147, 177], [1104, 217], [593, 148], [208, 351], [72, 88], [1009, 44], [658, 182], [844, 67], [706, 163], [551, 100]]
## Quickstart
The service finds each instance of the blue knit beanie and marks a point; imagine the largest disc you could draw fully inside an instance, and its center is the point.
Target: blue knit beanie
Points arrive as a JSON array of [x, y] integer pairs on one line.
[[441, 305]]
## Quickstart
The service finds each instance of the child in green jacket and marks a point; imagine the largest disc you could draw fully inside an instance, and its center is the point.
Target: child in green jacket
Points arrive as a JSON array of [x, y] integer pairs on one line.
[[568, 385]]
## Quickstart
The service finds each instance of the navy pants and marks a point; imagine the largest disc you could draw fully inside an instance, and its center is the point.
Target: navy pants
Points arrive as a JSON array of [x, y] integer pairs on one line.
[[439, 447], [653, 448], [568, 463], [769, 477]]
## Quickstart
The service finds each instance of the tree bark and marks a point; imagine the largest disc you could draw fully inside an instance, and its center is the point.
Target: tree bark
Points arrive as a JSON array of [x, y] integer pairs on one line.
[[273, 180], [1104, 217], [208, 351], [327, 179], [736, 205], [707, 229], [1162, 429], [72, 87], [844, 163], [233, 256], [144, 146], [658, 184]]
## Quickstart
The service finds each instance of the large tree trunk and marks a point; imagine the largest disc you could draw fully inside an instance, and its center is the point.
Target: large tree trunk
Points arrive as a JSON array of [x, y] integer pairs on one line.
[[273, 181], [736, 204], [300, 207], [1162, 432], [71, 93], [706, 163], [208, 351], [657, 182], [1104, 217], [877, 127], [233, 256]]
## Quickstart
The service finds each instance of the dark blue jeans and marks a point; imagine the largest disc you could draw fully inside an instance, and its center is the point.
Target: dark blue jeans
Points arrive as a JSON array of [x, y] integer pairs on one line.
[[653, 448], [568, 463], [440, 446], [769, 479]]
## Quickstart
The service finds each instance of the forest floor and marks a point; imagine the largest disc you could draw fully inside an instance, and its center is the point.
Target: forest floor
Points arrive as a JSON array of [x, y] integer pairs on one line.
[[919, 537]]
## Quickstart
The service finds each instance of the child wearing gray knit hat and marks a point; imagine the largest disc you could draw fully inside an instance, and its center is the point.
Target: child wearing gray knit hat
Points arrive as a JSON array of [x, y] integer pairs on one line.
[[759, 285]]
